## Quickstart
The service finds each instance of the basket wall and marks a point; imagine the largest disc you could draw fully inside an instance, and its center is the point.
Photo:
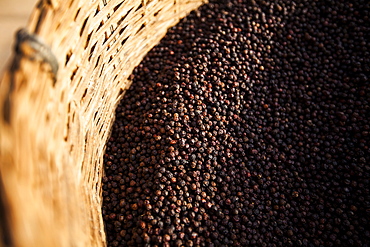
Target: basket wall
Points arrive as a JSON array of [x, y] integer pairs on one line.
[[53, 132]]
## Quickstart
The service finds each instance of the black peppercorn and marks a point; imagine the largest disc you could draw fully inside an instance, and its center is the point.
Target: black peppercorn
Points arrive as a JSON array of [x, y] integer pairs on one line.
[[247, 125]]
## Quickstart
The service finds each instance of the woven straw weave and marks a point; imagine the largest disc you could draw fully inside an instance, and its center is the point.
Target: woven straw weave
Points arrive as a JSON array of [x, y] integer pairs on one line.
[[53, 129]]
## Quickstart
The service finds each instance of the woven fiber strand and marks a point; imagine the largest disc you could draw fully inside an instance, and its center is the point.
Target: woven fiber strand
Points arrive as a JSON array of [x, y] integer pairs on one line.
[[53, 132]]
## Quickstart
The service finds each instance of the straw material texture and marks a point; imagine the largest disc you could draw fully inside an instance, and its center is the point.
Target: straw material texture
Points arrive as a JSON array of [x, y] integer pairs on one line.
[[53, 128]]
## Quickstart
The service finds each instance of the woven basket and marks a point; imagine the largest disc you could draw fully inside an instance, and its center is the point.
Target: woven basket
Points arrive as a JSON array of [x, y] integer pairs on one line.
[[54, 124]]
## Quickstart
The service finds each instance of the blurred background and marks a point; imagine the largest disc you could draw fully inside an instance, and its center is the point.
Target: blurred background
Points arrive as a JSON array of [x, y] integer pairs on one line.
[[14, 14]]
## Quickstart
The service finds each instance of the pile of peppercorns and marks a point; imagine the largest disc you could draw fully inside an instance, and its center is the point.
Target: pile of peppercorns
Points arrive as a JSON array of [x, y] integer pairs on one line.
[[248, 125]]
